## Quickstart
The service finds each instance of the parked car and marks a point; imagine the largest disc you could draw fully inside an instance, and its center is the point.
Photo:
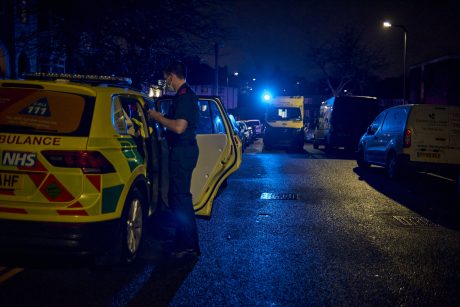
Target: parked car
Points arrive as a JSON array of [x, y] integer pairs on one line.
[[309, 132], [342, 121], [82, 168], [246, 134], [236, 128], [256, 126], [426, 137]]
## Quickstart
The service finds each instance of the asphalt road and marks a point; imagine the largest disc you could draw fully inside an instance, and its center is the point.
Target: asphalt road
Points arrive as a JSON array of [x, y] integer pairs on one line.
[[341, 236]]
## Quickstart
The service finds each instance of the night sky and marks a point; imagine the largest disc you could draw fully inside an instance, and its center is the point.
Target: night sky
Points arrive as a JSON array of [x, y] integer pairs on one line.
[[272, 33]]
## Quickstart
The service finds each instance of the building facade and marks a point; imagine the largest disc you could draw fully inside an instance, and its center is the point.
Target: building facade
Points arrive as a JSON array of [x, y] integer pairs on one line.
[[436, 81]]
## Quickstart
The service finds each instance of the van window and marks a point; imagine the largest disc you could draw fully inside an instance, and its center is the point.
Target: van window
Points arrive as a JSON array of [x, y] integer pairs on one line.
[[394, 121], [349, 112], [283, 113], [377, 122]]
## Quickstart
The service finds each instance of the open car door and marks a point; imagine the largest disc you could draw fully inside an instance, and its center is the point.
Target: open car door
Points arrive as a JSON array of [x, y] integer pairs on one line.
[[220, 151]]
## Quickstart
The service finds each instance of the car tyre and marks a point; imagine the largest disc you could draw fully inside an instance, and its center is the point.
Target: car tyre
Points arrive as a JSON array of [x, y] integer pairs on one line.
[[133, 223], [315, 144], [393, 166], [362, 163]]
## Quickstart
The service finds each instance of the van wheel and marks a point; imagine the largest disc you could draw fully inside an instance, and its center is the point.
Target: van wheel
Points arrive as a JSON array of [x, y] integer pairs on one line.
[[132, 226], [360, 159], [393, 166]]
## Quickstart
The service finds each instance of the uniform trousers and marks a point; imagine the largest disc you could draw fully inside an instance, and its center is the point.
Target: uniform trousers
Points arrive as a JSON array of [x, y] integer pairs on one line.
[[182, 161]]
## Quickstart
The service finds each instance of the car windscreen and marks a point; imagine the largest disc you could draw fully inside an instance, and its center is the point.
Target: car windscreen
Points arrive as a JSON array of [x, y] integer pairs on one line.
[[283, 114], [252, 123], [38, 111]]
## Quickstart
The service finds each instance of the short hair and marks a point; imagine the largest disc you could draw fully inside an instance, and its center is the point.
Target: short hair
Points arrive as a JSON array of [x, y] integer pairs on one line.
[[178, 68]]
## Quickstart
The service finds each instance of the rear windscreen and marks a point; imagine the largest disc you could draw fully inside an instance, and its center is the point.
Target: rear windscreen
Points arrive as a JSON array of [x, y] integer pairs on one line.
[[355, 111], [283, 113], [36, 111]]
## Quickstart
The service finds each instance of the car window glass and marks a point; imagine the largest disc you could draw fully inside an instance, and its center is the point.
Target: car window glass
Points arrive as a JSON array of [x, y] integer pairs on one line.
[[119, 119], [134, 110], [135, 122], [164, 106], [234, 124], [45, 112], [204, 123], [217, 120], [394, 121], [377, 122]]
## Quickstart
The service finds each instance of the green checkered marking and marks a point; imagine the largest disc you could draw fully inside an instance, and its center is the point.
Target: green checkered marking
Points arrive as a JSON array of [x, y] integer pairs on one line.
[[53, 190], [110, 197]]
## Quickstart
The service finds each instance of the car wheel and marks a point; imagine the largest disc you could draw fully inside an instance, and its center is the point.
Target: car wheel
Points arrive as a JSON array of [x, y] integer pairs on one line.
[[132, 226], [393, 166], [360, 159], [315, 144]]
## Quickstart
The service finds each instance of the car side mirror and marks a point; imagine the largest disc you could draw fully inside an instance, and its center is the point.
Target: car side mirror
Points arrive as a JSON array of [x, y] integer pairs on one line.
[[370, 131]]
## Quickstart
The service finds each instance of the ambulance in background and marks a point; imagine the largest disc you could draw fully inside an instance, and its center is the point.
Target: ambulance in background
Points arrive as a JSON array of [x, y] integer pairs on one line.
[[284, 122]]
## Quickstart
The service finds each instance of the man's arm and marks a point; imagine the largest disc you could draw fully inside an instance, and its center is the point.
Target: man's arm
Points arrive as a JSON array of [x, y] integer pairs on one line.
[[175, 125]]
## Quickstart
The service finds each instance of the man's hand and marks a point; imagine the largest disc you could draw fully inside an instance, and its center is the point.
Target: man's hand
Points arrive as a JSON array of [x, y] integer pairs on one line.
[[155, 115], [176, 125]]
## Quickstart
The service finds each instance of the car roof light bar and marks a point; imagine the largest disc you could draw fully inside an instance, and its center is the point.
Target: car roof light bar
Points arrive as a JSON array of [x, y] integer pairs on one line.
[[77, 78]]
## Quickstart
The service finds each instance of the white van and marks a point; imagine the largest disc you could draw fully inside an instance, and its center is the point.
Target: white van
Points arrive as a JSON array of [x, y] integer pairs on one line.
[[423, 136]]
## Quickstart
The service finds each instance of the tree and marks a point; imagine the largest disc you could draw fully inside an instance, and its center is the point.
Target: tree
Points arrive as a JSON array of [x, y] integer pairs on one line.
[[346, 62], [134, 38]]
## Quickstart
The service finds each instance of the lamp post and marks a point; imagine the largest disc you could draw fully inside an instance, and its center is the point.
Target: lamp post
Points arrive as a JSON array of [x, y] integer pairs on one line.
[[387, 24]]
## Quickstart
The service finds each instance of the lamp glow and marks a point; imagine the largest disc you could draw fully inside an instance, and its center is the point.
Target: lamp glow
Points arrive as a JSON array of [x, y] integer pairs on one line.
[[386, 24], [266, 96]]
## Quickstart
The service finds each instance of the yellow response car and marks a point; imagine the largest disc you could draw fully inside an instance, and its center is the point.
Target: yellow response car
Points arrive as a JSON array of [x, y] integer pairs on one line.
[[82, 168]]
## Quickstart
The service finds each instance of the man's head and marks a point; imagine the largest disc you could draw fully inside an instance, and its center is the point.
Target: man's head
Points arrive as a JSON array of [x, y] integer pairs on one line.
[[175, 74]]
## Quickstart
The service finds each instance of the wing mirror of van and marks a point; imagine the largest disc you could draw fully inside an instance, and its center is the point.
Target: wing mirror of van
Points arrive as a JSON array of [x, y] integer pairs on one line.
[[370, 131]]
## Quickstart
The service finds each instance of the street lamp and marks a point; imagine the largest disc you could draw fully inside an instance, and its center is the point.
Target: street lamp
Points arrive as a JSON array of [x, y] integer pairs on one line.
[[387, 24]]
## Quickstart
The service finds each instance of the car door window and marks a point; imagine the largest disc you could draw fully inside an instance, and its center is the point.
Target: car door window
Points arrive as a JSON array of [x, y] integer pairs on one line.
[[394, 121], [376, 123], [217, 120], [130, 119], [204, 124]]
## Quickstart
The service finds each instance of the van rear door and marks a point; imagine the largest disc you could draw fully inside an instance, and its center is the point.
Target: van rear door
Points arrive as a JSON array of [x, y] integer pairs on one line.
[[435, 134]]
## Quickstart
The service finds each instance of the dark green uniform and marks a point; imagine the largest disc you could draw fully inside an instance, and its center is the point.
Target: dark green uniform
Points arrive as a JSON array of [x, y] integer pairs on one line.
[[183, 156]]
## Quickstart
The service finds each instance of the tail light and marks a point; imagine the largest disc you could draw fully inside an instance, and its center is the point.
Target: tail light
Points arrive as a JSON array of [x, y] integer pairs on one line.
[[407, 138], [91, 162]]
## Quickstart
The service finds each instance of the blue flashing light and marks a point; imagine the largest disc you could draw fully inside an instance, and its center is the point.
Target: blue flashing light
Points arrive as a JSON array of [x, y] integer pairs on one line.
[[266, 96]]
